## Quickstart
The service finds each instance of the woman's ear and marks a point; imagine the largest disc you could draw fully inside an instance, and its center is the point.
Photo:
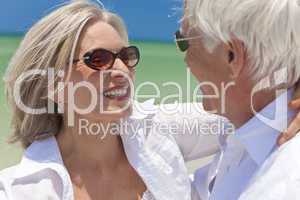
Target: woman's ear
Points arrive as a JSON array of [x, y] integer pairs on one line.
[[236, 56]]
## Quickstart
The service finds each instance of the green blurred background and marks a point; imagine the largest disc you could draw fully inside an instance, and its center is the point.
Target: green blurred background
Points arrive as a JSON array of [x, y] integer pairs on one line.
[[161, 62]]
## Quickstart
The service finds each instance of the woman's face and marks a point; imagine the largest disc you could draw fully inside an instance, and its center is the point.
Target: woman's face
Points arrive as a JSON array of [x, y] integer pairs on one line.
[[112, 89]]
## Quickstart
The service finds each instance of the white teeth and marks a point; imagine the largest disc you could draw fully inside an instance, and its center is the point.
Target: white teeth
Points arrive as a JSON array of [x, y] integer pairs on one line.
[[116, 93]]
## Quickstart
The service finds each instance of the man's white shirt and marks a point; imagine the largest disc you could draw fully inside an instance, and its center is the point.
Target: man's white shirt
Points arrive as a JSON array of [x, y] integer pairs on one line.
[[250, 166]]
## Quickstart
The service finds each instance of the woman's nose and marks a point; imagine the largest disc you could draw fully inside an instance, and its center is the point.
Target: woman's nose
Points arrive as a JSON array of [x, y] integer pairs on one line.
[[120, 72]]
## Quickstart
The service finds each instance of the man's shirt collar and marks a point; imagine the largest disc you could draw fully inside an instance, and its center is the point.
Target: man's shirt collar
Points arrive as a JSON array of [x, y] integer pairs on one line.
[[259, 135]]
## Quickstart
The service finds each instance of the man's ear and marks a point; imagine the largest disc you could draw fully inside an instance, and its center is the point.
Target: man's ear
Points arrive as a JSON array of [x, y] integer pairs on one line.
[[236, 57]]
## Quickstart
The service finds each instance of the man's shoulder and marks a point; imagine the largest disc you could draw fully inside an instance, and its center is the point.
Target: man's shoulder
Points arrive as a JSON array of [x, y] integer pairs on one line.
[[287, 154], [293, 143], [279, 177], [284, 161]]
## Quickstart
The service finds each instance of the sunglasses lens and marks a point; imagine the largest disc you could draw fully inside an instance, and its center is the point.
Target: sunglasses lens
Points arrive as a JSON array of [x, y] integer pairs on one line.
[[101, 59], [182, 44], [130, 56]]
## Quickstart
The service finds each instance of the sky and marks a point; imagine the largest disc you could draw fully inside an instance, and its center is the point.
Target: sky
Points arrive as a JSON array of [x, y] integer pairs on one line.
[[154, 20]]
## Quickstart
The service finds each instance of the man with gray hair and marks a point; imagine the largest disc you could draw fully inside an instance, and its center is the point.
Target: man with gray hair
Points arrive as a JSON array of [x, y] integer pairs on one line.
[[246, 55]]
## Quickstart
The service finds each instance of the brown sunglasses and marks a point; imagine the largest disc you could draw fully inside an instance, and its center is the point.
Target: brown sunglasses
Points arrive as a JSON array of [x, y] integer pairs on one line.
[[103, 59]]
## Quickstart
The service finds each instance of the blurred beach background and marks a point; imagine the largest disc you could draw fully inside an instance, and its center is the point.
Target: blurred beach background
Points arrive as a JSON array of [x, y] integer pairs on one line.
[[151, 25]]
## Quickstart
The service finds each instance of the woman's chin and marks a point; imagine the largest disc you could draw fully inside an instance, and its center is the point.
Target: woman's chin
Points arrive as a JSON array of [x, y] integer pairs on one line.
[[111, 113], [119, 112], [114, 113]]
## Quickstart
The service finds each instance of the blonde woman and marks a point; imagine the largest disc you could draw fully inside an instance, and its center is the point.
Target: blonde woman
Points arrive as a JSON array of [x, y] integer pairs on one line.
[[64, 161]]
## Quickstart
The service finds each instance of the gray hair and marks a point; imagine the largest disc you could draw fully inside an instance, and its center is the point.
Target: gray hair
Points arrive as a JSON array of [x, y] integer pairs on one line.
[[51, 42], [269, 29]]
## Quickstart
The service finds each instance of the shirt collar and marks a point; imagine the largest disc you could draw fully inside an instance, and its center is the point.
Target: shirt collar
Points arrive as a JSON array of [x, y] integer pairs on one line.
[[165, 178], [259, 135], [45, 154], [38, 155], [143, 110]]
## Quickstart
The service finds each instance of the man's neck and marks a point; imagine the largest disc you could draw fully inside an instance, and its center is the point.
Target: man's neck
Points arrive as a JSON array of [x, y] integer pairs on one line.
[[240, 108]]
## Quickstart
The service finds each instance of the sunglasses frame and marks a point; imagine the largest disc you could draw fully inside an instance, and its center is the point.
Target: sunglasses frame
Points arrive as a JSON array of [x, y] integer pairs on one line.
[[182, 42], [87, 58]]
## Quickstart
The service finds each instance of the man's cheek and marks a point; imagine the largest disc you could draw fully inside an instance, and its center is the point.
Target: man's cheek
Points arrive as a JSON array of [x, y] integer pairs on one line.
[[188, 59], [193, 58], [194, 65]]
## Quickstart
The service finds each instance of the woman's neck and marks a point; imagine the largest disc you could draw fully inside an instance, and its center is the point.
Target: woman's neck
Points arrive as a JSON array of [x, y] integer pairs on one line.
[[88, 151], [92, 162]]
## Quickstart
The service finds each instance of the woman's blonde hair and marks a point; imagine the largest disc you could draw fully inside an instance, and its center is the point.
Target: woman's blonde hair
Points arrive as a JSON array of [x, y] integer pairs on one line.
[[51, 42]]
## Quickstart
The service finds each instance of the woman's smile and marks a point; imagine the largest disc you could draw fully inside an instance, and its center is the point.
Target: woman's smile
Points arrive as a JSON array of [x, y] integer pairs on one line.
[[119, 93]]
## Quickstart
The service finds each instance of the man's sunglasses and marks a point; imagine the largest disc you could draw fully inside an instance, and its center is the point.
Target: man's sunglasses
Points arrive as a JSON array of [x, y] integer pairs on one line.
[[102, 59], [182, 42]]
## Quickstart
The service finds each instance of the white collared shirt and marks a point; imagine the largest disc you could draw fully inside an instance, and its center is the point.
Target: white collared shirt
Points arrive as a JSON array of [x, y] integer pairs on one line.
[[250, 167], [157, 154]]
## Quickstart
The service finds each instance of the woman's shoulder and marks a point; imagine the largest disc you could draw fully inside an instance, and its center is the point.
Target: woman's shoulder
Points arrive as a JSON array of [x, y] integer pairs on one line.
[[169, 110], [39, 174], [7, 173], [14, 184], [191, 114], [177, 116], [6, 177], [178, 110]]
